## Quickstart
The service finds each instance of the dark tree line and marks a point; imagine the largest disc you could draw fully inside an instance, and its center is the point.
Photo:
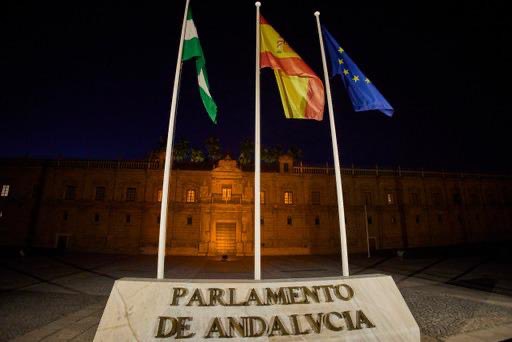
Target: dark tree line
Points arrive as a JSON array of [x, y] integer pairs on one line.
[[186, 155]]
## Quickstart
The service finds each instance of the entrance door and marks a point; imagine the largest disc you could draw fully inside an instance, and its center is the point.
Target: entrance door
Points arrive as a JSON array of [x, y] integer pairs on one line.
[[373, 244], [62, 242], [226, 238]]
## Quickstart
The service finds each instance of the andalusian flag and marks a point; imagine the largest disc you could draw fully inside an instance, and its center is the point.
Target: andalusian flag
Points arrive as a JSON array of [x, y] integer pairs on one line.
[[192, 49], [302, 92]]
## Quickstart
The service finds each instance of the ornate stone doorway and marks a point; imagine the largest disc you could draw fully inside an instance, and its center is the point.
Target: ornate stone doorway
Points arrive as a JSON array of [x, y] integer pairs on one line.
[[226, 238]]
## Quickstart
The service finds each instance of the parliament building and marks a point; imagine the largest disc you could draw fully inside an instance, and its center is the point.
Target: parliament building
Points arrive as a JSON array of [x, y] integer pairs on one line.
[[114, 207]]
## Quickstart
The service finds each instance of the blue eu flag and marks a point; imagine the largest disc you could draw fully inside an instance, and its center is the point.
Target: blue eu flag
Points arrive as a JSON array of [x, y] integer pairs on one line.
[[362, 92]]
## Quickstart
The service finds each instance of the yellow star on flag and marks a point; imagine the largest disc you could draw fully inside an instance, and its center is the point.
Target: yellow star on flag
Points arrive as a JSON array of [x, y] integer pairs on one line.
[[355, 78], [340, 50], [345, 71], [367, 81], [340, 61]]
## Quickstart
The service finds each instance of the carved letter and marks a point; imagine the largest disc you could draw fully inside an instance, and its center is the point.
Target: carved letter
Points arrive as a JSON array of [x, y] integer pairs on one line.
[[315, 325], [216, 328], [361, 318], [197, 296], [177, 293], [337, 292], [182, 327], [313, 294], [216, 296], [328, 323], [232, 298], [277, 326], [163, 330], [278, 297], [253, 297], [234, 325], [251, 328], [348, 320], [293, 293], [296, 326], [327, 292]]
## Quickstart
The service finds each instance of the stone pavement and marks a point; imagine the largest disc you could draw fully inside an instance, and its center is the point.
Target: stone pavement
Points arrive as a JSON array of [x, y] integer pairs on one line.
[[61, 298]]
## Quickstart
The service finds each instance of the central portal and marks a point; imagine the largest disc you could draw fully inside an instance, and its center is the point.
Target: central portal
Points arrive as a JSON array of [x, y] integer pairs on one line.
[[226, 238]]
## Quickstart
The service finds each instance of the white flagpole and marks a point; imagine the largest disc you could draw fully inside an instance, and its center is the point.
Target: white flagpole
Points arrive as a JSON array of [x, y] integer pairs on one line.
[[168, 152], [367, 233], [337, 169], [257, 185]]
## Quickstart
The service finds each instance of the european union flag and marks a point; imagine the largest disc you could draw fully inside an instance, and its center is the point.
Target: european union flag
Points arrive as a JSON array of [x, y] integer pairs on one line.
[[362, 92]]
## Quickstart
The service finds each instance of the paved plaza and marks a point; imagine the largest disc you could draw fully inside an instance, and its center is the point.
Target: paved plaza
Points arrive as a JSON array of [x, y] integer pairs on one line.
[[62, 297]]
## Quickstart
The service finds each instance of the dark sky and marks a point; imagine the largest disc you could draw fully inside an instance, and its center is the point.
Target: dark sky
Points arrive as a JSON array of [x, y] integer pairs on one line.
[[91, 80]]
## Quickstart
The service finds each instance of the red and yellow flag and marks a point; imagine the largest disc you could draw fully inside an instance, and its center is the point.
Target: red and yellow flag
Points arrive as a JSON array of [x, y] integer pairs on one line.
[[302, 92]]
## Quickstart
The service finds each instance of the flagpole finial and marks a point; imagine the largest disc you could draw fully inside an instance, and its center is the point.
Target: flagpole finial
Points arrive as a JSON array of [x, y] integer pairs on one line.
[[257, 4], [317, 14]]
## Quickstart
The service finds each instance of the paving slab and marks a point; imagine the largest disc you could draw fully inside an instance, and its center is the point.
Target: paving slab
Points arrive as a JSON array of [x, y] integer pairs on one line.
[[62, 298]]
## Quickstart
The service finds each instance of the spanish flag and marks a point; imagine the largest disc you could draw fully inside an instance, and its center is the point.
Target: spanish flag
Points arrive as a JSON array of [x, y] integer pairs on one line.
[[302, 92]]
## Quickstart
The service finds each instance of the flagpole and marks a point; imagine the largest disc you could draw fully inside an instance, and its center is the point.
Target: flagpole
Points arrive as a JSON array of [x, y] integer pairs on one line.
[[337, 169], [367, 233], [257, 143], [168, 152]]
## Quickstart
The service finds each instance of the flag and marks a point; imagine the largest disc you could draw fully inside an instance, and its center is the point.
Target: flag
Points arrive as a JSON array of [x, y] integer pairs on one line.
[[362, 92], [302, 92], [192, 49]]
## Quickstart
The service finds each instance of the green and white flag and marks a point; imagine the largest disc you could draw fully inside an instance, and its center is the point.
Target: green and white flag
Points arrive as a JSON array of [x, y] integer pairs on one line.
[[192, 49]]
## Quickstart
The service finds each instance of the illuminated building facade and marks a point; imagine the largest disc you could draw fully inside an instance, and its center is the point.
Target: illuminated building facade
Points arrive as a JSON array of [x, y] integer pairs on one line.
[[114, 207]]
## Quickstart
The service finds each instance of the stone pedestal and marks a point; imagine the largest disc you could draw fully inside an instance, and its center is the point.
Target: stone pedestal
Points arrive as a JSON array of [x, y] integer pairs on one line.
[[359, 308]]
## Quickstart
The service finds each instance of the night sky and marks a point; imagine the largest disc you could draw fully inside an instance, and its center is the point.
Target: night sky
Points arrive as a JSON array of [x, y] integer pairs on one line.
[[86, 80]]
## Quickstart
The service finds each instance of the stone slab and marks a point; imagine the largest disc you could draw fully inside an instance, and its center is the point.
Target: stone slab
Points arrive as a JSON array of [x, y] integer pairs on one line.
[[358, 308]]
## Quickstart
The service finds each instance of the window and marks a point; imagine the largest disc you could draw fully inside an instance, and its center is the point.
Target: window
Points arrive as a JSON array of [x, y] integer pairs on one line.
[[262, 197], [65, 216], [226, 192], [159, 195], [35, 190], [315, 197], [367, 198], [100, 193], [189, 220], [289, 220], [457, 198], [507, 194], [191, 196], [70, 193], [491, 198], [5, 190], [317, 220], [436, 199], [96, 217], [417, 219], [460, 219], [370, 220], [131, 194], [345, 197], [128, 218], [474, 198], [415, 198], [288, 197], [286, 167], [390, 198]]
